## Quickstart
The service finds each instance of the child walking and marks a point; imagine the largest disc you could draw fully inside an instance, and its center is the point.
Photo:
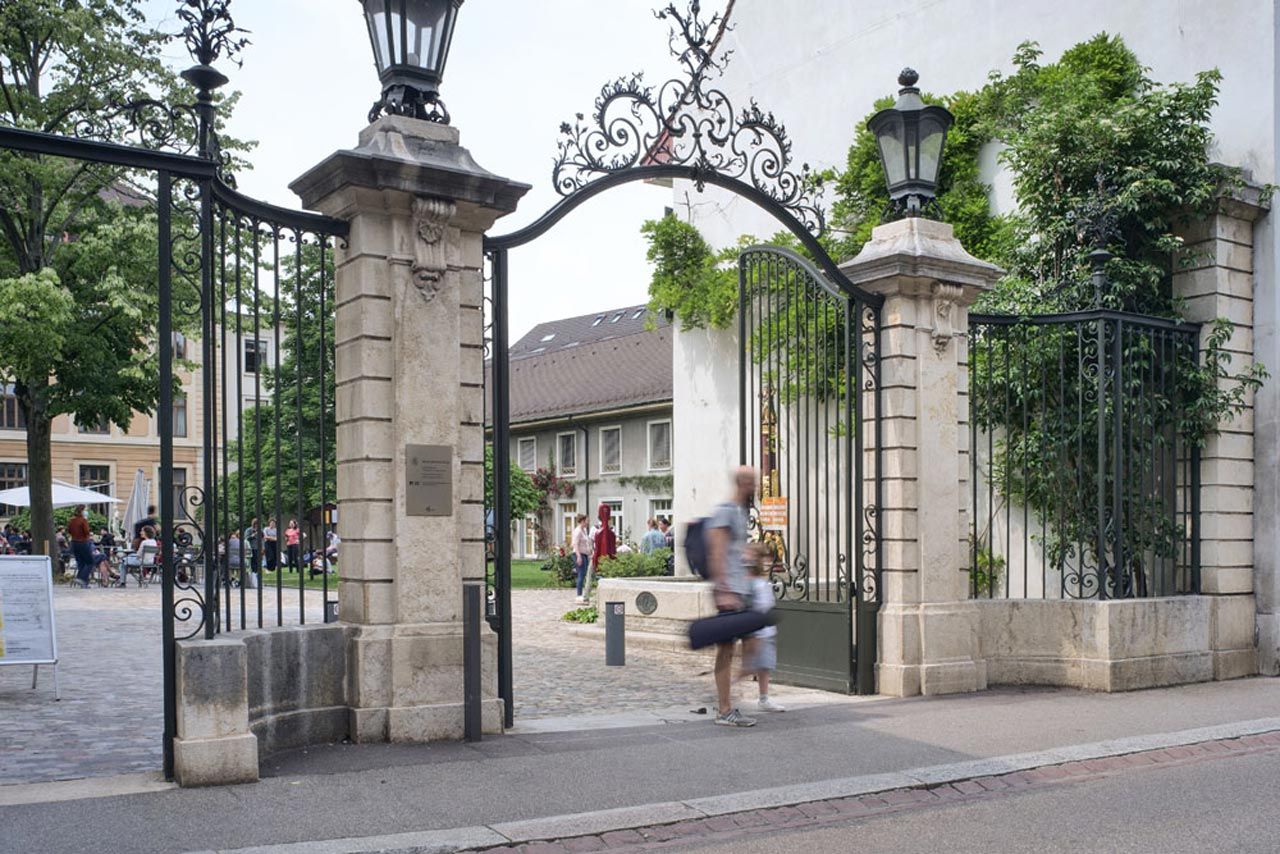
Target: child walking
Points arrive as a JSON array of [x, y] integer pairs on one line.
[[760, 652]]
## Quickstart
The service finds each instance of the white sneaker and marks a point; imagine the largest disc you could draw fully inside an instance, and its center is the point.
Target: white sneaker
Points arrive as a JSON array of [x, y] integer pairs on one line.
[[768, 705]]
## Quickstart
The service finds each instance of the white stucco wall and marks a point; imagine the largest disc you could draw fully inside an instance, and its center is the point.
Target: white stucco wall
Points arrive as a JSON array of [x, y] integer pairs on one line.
[[820, 72], [706, 445]]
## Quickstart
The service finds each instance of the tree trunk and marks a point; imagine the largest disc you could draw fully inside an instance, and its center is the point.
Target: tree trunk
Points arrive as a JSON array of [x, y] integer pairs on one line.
[[39, 471]]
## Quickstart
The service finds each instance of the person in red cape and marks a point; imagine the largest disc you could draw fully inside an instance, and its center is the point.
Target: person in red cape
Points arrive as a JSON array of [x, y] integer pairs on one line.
[[606, 543]]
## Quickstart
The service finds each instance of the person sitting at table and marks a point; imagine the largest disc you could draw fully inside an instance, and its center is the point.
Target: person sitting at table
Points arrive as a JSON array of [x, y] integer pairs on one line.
[[102, 564]]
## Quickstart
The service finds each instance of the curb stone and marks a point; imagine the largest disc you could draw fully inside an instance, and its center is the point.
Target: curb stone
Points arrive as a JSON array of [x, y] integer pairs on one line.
[[896, 784]]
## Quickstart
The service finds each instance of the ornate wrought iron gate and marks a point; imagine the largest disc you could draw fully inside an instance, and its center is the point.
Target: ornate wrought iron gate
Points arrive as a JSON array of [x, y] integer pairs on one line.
[[808, 423]]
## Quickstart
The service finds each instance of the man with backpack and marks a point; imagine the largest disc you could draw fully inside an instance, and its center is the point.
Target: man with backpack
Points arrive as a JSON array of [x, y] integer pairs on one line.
[[726, 541]]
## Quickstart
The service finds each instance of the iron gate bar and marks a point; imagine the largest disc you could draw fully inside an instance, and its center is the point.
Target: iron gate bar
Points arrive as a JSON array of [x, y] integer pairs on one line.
[[165, 427], [36, 142], [502, 484]]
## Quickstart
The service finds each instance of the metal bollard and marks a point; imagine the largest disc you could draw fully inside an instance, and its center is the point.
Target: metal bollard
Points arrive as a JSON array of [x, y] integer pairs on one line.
[[615, 634], [472, 724]]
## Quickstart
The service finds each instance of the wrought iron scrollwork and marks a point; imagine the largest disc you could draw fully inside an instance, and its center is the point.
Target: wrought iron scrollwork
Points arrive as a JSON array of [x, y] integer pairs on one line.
[[870, 540], [687, 122], [190, 611], [210, 33]]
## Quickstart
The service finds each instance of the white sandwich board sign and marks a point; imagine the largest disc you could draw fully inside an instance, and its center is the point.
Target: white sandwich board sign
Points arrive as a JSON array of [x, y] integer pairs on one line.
[[28, 634]]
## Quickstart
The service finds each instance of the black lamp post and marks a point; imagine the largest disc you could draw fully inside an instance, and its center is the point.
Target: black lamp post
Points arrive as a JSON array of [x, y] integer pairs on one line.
[[911, 135], [411, 46]]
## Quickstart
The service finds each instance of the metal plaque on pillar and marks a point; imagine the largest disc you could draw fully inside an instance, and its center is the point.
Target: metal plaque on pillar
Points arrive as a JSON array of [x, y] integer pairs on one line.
[[428, 480]]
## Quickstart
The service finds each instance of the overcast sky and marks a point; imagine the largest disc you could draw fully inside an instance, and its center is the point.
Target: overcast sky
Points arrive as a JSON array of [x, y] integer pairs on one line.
[[516, 70]]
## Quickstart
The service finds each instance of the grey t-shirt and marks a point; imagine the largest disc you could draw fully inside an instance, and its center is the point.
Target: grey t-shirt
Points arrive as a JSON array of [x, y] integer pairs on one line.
[[734, 518]]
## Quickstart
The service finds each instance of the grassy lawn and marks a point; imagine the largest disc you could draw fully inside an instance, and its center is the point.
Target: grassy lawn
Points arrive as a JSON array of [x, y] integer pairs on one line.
[[525, 575], [290, 580], [528, 575]]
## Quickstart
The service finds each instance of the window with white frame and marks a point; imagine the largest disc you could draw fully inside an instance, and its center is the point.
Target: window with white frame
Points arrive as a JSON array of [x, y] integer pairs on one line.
[[530, 536], [568, 519], [610, 450], [527, 453], [567, 454], [660, 508], [659, 445]]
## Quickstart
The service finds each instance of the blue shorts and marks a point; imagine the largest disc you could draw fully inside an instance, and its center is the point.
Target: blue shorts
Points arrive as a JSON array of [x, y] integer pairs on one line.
[[765, 655]]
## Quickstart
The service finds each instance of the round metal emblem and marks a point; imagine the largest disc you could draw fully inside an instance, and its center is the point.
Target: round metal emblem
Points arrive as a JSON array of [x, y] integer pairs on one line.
[[646, 603]]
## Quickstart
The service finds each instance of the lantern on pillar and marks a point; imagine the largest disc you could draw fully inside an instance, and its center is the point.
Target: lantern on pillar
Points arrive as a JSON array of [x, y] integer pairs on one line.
[[410, 47], [910, 135]]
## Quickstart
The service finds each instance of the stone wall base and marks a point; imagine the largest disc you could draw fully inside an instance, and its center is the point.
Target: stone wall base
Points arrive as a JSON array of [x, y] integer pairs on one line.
[[215, 761], [1118, 645], [1269, 644], [248, 694]]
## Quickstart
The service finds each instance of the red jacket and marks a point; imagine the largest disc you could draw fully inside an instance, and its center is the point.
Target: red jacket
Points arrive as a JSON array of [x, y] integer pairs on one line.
[[606, 539], [78, 528]]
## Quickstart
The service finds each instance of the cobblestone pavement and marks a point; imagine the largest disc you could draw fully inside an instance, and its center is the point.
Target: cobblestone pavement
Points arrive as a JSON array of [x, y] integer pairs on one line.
[[731, 831], [110, 719], [558, 674]]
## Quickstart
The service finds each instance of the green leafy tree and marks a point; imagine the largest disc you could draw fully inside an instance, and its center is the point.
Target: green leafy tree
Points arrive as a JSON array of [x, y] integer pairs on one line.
[[78, 255], [525, 497], [689, 278]]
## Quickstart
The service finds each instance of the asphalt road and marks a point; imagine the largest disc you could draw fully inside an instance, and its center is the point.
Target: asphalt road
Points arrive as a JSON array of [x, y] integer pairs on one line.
[[1229, 804]]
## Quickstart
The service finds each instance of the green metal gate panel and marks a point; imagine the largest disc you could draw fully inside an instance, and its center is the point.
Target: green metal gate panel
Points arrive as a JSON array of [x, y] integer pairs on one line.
[[815, 646]]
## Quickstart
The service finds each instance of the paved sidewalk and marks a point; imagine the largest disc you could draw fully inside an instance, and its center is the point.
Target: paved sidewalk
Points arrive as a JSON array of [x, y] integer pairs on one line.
[[110, 718], [362, 791]]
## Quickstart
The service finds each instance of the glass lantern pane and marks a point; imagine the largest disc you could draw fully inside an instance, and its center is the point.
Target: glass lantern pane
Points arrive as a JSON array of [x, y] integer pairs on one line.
[[932, 134], [893, 153], [397, 34], [376, 15], [426, 20]]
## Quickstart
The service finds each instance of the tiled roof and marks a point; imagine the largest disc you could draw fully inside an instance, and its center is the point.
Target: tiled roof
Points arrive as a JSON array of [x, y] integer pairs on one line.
[[628, 370], [586, 329]]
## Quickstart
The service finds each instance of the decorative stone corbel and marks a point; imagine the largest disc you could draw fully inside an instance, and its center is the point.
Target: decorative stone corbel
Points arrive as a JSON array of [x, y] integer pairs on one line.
[[945, 298], [430, 216]]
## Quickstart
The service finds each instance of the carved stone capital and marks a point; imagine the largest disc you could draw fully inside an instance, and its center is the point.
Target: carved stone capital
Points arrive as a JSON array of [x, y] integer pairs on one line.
[[430, 217], [945, 298]]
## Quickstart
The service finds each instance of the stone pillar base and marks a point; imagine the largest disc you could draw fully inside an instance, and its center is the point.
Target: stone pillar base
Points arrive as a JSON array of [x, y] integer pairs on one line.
[[1234, 634], [1268, 644], [221, 761], [398, 671], [930, 649]]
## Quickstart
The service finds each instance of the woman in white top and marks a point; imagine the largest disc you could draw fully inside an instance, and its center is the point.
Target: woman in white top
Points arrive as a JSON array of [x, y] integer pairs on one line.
[[582, 545]]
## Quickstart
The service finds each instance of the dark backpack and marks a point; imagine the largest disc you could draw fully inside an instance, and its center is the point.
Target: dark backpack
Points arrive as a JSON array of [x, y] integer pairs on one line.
[[695, 547]]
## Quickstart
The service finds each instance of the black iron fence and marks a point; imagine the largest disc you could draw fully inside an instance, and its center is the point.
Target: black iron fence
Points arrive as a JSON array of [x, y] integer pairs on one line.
[[1084, 481]]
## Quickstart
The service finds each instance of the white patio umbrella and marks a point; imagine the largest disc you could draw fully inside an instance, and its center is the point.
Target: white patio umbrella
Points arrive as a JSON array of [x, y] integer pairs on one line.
[[139, 498], [64, 495]]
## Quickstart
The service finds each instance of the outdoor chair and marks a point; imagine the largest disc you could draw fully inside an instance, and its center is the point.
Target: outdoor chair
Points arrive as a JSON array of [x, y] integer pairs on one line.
[[143, 565]]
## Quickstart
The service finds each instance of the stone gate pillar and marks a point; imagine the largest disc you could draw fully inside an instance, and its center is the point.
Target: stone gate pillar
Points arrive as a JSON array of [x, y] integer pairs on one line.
[[1214, 277], [409, 372], [928, 632]]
